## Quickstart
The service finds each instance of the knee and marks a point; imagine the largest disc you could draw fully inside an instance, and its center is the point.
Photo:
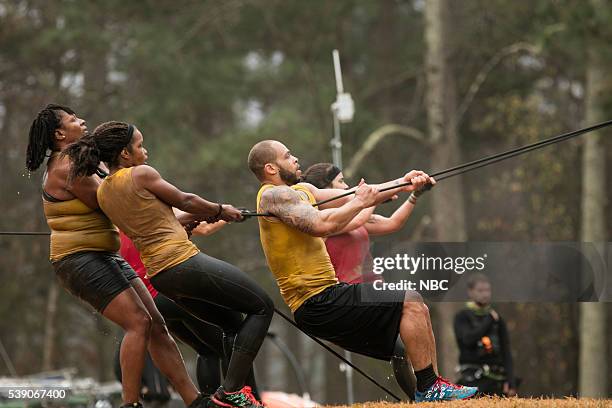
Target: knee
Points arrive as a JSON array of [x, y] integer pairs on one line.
[[141, 322], [232, 323], [159, 327], [413, 305], [413, 297], [267, 307]]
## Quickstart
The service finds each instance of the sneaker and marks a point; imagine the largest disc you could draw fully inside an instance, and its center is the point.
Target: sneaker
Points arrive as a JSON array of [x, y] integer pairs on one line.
[[444, 390], [242, 398], [202, 401]]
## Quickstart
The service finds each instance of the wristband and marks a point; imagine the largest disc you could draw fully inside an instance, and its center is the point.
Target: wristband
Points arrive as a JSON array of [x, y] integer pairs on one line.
[[219, 212], [418, 193], [413, 198]]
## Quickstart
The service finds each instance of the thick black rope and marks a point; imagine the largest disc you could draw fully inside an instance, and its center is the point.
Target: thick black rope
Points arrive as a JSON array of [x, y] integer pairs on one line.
[[441, 175], [473, 165], [344, 360]]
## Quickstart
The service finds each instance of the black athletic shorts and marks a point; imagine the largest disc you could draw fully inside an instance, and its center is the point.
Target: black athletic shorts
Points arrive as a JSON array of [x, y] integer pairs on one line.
[[355, 317], [95, 277]]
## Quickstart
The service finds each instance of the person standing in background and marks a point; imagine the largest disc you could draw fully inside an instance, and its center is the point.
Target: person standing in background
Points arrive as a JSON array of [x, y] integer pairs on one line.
[[485, 359]]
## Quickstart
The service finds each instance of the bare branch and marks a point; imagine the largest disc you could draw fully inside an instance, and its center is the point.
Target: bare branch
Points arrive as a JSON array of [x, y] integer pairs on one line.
[[375, 137], [486, 70]]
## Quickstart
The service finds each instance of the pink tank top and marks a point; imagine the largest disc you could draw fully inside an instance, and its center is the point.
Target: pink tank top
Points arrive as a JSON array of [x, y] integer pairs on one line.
[[131, 255], [350, 255]]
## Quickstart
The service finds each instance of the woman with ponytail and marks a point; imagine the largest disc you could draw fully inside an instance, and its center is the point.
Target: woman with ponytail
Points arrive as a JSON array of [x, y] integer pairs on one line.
[[84, 246], [139, 201]]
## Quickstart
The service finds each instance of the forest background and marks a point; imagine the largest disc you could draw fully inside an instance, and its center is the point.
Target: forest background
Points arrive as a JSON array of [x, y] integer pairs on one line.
[[438, 82]]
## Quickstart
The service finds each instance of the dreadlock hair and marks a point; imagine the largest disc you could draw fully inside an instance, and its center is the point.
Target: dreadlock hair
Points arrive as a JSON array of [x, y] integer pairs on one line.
[[103, 145], [42, 134], [321, 175]]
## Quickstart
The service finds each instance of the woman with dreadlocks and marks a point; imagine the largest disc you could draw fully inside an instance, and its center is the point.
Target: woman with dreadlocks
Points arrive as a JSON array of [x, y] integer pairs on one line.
[[84, 245], [139, 201]]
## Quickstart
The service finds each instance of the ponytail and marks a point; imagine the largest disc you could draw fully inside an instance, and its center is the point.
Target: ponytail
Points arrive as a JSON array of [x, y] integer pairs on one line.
[[84, 155], [103, 145]]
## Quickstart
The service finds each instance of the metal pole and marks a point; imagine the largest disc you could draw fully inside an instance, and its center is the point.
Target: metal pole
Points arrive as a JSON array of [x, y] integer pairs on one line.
[[336, 142], [336, 145], [348, 372], [338, 72]]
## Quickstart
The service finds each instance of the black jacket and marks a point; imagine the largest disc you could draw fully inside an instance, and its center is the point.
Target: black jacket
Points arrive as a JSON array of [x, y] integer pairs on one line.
[[470, 328]]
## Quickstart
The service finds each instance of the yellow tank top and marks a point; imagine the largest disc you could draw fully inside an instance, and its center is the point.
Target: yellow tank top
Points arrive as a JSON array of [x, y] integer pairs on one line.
[[77, 228], [147, 221], [299, 261]]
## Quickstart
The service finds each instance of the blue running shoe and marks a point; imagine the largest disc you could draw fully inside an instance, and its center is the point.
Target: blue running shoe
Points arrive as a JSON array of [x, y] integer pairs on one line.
[[444, 390]]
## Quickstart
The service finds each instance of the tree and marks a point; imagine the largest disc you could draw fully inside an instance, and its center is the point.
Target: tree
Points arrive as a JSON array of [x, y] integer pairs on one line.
[[448, 207], [593, 369]]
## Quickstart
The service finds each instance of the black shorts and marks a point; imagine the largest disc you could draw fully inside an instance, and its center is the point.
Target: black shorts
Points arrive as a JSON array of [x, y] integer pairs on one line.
[[355, 317], [95, 277]]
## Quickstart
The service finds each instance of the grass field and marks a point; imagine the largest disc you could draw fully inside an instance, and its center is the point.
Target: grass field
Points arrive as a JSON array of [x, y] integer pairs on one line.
[[496, 403]]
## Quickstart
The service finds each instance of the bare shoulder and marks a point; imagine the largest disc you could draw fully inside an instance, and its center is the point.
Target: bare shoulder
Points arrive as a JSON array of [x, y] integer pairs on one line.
[[144, 172], [60, 167], [286, 204], [279, 195], [56, 179]]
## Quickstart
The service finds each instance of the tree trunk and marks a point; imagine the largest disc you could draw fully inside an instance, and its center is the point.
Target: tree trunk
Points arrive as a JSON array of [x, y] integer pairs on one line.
[[447, 199], [593, 373], [50, 327]]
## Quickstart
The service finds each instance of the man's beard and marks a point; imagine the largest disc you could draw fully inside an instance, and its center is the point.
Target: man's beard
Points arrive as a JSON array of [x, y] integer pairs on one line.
[[288, 177]]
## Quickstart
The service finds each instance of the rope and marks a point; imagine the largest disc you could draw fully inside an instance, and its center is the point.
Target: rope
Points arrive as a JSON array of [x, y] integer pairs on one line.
[[473, 165], [24, 233], [441, 175]]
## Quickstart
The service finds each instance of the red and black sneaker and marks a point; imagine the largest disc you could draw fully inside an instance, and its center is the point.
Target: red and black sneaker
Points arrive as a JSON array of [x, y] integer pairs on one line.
[[202, 401], [241, 398]]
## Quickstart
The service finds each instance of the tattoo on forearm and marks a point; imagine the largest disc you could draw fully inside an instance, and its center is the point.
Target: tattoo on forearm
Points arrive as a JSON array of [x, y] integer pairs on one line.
[[285, 203]]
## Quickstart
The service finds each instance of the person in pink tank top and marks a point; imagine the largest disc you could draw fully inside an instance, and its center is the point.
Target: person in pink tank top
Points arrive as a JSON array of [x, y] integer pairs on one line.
[[349, 250]]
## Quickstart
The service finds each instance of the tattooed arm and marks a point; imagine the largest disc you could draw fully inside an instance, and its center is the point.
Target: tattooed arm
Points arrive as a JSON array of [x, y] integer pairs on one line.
[[285, 203]]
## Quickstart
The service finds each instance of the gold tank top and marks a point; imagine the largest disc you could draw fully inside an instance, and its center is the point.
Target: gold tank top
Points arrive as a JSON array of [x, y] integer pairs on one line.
[[147, 221], [299, 261], [77, 228]]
